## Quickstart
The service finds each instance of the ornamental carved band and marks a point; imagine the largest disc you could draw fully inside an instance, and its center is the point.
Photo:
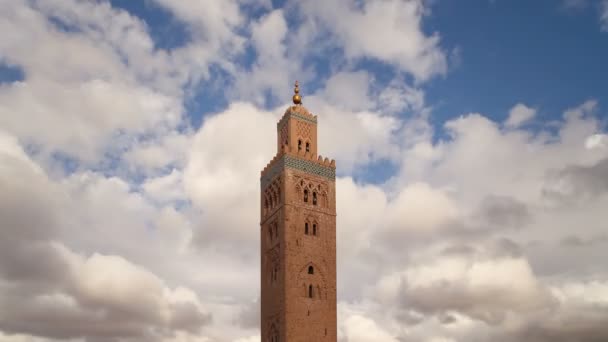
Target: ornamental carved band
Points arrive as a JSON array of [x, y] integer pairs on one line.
[[297, 116], [299, 164]]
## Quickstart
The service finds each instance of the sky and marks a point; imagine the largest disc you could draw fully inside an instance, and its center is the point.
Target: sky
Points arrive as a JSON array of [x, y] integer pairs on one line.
[[470, 137]]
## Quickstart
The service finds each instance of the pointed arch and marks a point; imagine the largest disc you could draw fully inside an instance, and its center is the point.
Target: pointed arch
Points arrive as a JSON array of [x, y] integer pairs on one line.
[[323, 201]]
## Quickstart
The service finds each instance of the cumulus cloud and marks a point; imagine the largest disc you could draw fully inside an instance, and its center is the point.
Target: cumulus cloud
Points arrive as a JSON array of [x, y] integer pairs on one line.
[[50, 290], [387, 30], [482, 289], [519, 115]]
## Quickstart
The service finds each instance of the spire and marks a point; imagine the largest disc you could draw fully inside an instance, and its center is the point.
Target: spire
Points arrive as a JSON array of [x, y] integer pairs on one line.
[[297, 99]]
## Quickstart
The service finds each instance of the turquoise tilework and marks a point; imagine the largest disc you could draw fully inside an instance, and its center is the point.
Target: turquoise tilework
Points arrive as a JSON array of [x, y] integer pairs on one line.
[[299, 164]]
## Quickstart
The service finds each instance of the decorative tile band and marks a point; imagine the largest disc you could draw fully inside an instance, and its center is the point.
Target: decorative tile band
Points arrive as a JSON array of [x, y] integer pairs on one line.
[[304, 165], [297, 116]]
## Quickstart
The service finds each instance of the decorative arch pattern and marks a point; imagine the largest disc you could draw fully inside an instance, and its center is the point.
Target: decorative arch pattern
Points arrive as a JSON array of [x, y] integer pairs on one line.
[[272, 196], [312, 278], [312, 192], [311, 226]]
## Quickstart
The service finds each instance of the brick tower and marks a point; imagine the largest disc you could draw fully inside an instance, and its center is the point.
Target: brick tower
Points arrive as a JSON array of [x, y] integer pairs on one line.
[[298, 235]]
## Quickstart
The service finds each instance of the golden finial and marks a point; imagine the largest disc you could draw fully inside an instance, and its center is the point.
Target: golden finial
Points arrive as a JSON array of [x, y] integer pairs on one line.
[[297, 99]]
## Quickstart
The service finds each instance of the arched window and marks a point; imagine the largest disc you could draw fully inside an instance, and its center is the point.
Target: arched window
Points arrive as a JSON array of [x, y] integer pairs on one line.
[[306, 228], [305, 195], [310, 291], [314, 229], [299, 145], [307, 147], [314, 197], [311, 270]]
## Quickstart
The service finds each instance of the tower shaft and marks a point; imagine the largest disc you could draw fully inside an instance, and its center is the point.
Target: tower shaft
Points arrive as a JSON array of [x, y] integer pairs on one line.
[[298, 236]]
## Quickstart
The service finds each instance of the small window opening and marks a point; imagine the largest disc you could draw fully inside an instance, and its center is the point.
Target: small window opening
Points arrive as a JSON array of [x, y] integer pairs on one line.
[[306, 195], [325, 331], [276, 230], [314, 198], [299, 145], [309, 291], [311, 270], [307, 147], [306, 228], [314, 229]]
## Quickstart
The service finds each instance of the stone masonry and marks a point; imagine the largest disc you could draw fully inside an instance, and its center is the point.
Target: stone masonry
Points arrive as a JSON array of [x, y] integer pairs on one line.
[[298, 236]]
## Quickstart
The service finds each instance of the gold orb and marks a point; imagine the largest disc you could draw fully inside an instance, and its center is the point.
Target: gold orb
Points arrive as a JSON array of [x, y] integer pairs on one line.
[[297, 99]]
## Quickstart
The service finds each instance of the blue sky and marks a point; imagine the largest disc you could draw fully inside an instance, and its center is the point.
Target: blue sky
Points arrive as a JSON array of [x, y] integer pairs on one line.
[[536, 52], [470, 138]]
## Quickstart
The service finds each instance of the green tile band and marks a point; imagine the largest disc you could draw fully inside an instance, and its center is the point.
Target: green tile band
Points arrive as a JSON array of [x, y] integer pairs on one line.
[[304, 165]]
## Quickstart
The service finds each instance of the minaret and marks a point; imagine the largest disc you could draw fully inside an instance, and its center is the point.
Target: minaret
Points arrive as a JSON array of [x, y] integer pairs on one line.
[[298, 235]]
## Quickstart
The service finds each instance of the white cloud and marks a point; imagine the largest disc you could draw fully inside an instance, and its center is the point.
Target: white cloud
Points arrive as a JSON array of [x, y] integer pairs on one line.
[[418, 207], [358, 328], [165, 188], [273, 71], [349, 90], [596, 141], [222, 174], [389, 31], [519, 114], [604, 15], [59, 293], [77, 102]]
